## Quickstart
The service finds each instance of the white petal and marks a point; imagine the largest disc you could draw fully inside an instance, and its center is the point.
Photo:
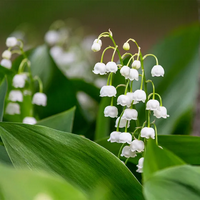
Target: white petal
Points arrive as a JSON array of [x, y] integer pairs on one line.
[[29, 120], [39, 99]]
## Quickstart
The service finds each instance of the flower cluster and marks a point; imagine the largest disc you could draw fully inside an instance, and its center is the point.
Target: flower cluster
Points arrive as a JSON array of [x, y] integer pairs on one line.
[[133, 141], [22, 83]]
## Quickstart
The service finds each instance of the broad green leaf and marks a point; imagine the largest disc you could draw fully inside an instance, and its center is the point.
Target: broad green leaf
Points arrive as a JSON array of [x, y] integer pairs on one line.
[[181, 182], [73, 157], [3, 90], [156, 158], [4, 158], [62, 121], [26, 184]]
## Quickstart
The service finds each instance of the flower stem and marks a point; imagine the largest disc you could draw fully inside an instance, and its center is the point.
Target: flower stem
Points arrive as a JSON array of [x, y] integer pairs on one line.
[[120, 150], [153, 56], [36, 78]]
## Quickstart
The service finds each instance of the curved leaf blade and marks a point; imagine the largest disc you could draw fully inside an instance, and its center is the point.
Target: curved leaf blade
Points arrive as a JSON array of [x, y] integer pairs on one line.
[[73, 157], [3, 90]]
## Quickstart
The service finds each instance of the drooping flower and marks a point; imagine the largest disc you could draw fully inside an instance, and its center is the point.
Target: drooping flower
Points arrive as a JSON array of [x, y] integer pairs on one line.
[[11, 42], [133, 75], [39, 99], [29, 120], [139, 95], [111, 67], [132, 97], [51, 37], [157, 70], [148, 132], [6, 63], [130, 114], [161, 112], [19, 80], [99, 68], [136, 64], [137, 145], [6, 54], [12, 108], [125, 138], [15, 95], [108, 91], [126, 46], [125, 71], [114, 136], [124, 100], [140, 165], [126, 152], [56, 52], [111, 111], [122, 123], [96, 46], [152, 104]]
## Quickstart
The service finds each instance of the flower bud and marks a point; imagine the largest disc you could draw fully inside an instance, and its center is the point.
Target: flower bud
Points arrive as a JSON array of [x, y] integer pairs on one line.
[[96, 47], [110, 111], [99, 68], [136, 64], [137, 145], [29, 120], [111, 67], [125, 138], [148, 132], [6, 54], [126, 46], [122, 123], [126, 152], [114, 137], [39, 99], [6, 63], [51, 37], [15, 95], [108, 91], [11, 41], [157, 70], [12, 108], [125, 71], [152, 104], [161, 112], [130, 114]]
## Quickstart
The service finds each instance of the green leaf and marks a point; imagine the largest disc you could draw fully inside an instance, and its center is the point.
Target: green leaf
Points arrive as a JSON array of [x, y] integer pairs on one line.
[[4, 156], [3, 90], [181, 182], [73, 157], [62, 121], [26, 184], [156, 158]]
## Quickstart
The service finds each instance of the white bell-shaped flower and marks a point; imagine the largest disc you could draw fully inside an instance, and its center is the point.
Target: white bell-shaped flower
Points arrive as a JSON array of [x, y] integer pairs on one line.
[[122, 123], [125, 71], [29, 120], [114, 136], [148, 132], [12, 108], [39, 99], [132, 97], [126, 46], [6, 63], [152, 104], [111, 111], [125, 138], [140, 165], [56, 52], [15, 95], [51, 37], [11, 42], [139, 95], [6, 54], [130, 114], [99, 68], [126, 152], [108, 91], [136, 64], [133, 75], [19, 80], [124, 100], [111, 67], [161, 112], [137, 145], [157, 70], [96, 46]]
